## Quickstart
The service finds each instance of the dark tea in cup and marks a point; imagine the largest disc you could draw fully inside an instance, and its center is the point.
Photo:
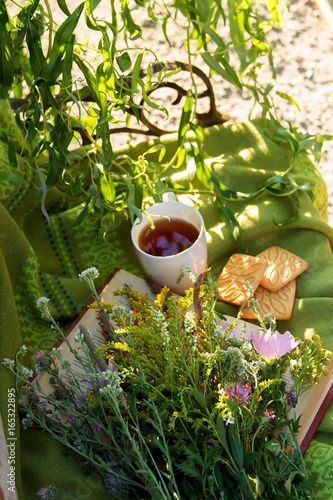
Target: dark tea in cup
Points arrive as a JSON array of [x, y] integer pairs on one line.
[[169, 237], [170, 253]]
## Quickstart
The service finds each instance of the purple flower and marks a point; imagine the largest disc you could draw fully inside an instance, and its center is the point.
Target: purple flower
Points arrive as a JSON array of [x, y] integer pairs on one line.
[[115, 485], [239, 393], [94, 383], [269, 413], [38, 355], [72, 418], [77, 402], [273, 346], [47, 492], [291, 399], [111, 367]]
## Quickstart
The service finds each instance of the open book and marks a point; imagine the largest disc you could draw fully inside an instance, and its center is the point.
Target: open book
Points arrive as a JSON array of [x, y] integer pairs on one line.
[[312, 405]]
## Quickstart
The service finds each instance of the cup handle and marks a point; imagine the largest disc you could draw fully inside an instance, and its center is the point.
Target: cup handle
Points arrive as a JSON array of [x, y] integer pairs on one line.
[[168, 196]]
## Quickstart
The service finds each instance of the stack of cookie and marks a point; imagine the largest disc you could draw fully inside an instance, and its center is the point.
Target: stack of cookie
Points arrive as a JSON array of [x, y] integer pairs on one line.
[[272, 276]]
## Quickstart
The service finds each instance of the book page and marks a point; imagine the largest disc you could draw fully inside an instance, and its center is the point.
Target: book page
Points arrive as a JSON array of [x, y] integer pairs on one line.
[[312, 407]]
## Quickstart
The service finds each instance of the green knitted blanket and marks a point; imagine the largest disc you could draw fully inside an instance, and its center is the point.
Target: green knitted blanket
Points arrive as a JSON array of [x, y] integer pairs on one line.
[[42, 259]]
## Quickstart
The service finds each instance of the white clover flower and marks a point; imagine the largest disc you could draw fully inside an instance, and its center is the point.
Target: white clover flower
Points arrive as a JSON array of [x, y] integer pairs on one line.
[[26, 371], [165, 336], [217, 333], [42, 303], [113, 383], [131, 317], [8, 363], [65, 363], [228, 419], [89, 274], [119, 310], [158, 315], [189, 321], [79, 337], [122, 315], [77, 444], [246, 347], [161, 324], [27, 422], [192, 340], [267, 318], [253, 304]]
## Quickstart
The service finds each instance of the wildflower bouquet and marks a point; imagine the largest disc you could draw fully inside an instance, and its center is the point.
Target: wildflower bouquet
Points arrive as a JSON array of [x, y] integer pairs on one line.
[[177, 403]]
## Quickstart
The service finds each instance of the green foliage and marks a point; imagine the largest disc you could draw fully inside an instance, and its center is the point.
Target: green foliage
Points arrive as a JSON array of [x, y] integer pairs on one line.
[[70, 92]]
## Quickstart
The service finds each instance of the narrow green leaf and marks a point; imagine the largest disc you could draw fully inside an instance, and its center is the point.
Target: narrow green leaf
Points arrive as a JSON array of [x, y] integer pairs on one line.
[[236, 446], [185, 117], [43, 191], [6, 53], [228, 74], [63, 6], [306, 187], [136, 72], [9, 176], [203, 173], [67, 70], [222, 432], [84, 213], [232, 224], [288, 98], [277, 10], [236, 24], [200, 399], [59, 47], [34, 43], [149, 102], [56, 166], [124, 61], [91, 5], [157, 148], [212, 33], [134, 212], [198, 131], [218, 476], [133, 29], [250, 456], [12, 152], [164, 28], [282, 134], [232, 405], [90, 79], [107, 188], [295, 208]]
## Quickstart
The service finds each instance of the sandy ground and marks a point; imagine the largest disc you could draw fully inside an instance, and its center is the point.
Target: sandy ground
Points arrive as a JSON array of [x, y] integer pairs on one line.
[[303, 59]]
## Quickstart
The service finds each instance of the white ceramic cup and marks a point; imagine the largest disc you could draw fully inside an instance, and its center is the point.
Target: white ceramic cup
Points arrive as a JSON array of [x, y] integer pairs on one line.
[[166, 270]]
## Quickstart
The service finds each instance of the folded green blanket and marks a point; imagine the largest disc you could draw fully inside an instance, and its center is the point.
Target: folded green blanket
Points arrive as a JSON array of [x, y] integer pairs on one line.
[[39, 260]]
